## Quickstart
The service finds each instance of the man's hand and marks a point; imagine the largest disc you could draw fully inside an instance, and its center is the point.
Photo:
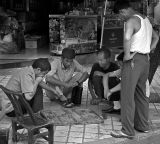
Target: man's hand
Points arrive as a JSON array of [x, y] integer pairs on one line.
[[129, 57], [39, 79], [107, 94], [98, 73]]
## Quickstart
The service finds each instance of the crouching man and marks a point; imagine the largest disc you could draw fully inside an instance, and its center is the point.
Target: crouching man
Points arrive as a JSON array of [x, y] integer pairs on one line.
[[99, 85], [66, 73]]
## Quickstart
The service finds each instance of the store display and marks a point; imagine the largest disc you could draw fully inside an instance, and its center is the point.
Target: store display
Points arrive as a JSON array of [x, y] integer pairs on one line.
[[77, 32], [54, 29]]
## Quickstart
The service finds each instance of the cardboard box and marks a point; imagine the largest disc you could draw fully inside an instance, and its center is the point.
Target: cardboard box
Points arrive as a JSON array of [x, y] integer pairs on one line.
[[34, 42]]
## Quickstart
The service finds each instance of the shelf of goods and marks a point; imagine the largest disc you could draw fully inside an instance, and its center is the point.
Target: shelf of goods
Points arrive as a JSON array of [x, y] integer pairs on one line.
[[77, 32]]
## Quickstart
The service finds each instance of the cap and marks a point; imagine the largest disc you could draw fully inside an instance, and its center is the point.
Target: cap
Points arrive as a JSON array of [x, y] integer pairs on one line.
[[68, 53]]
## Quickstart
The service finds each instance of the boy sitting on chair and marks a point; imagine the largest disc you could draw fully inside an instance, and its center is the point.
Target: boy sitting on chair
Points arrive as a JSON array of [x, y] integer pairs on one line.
[[65, 74]]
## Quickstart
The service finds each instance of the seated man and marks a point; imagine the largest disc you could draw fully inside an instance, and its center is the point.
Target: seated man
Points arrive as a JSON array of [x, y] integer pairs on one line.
[[65, 74], [28, 80], [98, 84]]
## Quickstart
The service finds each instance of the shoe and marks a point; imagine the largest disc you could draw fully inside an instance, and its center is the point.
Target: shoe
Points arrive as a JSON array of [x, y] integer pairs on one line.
[[115, 111], [142, 131], [120, 134]]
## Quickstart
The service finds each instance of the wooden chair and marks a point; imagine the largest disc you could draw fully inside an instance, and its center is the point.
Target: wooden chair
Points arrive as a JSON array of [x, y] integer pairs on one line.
[[33, 122]]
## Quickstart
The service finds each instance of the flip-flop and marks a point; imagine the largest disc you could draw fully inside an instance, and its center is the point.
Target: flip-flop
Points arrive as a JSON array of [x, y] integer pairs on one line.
[[120, 134]]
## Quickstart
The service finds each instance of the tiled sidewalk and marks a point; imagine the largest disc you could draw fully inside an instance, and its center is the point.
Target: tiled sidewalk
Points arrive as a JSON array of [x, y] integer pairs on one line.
[[95, 133]]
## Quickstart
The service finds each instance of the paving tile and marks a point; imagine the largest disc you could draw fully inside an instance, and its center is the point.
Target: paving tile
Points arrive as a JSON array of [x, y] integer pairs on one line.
[[76, 134], [117, 123], [92, 126], [77, 128], [64, 128], [91, 130], [61, 133], [60, 139], [88, 140], [91, 135], [105, 136], [75, 140], [116, 119], [117, 127], [108, 121], [108, 127]]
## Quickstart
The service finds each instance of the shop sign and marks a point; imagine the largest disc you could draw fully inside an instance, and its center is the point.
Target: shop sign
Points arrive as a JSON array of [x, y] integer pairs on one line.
[[113, 37]]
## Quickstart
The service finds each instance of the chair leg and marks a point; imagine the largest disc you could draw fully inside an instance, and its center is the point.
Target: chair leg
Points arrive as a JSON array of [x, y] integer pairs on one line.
[[14, 131], [50, 134], [30, 137]]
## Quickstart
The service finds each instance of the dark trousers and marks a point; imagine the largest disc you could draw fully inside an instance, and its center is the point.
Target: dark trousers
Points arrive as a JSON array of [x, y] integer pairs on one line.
[[99, 89], [134, 103], [36, 103]]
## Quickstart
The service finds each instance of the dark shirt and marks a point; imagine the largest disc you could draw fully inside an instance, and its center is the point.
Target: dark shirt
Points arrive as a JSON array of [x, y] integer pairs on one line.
[[96, 67]]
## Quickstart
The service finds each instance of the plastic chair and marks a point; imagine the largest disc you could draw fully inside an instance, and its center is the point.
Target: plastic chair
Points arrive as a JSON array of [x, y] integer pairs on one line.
[[33, 122]]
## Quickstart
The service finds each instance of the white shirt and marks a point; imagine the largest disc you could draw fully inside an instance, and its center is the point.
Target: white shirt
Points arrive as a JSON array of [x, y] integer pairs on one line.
[[141, 40]]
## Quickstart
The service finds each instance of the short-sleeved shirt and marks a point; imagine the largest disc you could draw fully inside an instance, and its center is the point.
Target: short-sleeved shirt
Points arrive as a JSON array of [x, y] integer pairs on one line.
[[22, 81], [97, 67], [58, 70]]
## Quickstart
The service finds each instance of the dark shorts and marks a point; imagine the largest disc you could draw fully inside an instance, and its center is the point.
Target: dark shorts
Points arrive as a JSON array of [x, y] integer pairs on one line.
[[99, 90], [113, 81]]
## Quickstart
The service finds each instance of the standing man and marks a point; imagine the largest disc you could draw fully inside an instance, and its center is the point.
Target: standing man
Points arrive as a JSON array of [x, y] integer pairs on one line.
[[139, 37]]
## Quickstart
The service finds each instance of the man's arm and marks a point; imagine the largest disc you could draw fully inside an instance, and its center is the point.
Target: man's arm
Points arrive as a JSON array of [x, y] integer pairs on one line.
[[83, 77], [29, 95], [116, 88], [116, 73], [54, 81], [128, 33], [80, 68], [46, 87], [155, 39]]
